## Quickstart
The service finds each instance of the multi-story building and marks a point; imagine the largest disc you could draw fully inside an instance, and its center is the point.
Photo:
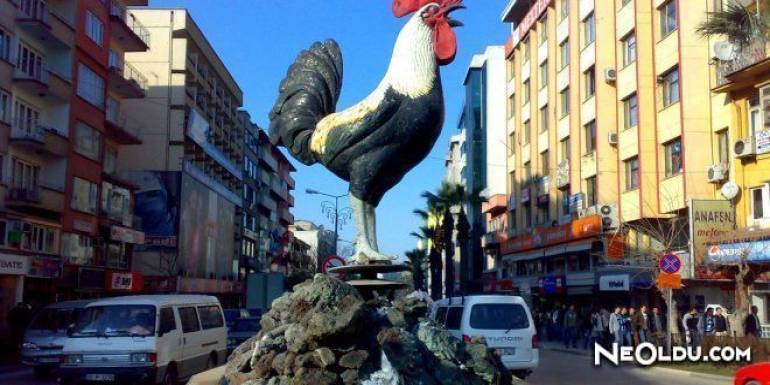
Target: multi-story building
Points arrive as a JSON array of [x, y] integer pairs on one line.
[[615, 116], [483, 124], [320, 240], [455, 161], [188, 191]]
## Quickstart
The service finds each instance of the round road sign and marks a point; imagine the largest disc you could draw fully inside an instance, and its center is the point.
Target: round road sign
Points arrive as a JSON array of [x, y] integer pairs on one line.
[[332, 261], [670, 263]]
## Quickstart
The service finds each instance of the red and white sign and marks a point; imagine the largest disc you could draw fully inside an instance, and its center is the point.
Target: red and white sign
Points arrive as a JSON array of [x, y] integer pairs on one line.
[[124, 281], [533, 14], [331, 262]]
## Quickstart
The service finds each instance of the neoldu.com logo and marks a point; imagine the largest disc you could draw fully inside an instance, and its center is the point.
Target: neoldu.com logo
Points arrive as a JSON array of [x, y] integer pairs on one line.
[[646, 354]]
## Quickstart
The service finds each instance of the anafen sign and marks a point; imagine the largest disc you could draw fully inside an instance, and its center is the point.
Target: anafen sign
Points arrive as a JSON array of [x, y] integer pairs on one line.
[[709, 219]]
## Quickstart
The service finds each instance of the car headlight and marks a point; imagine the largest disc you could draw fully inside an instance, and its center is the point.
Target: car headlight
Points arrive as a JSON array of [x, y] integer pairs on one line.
[[72, 359], [143, 358], [30, 346]]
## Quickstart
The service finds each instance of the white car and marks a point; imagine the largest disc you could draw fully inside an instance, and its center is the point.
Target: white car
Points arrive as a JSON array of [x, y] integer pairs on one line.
[[504, 321], [145, 339]]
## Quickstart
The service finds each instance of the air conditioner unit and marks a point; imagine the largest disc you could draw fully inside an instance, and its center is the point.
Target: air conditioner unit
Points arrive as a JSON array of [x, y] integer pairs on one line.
[[609, 214], [744, 148], [610, 75], [717, 173], [612, 138]]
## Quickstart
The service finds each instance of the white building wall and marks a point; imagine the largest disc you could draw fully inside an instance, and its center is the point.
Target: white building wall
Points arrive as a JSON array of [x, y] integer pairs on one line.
[[496, 120]]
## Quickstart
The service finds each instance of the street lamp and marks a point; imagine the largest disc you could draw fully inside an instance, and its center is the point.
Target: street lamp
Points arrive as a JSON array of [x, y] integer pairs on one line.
[[333, 212]]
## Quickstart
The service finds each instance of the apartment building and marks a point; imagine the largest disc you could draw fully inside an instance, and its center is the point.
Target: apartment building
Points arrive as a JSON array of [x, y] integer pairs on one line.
[[267, 195], [320, 240], [613, 119], [188, 190], [455, 162], [483, 125]]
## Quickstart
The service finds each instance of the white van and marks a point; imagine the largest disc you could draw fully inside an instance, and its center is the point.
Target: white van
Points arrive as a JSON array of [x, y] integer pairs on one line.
[[145, 339], [504, 321]]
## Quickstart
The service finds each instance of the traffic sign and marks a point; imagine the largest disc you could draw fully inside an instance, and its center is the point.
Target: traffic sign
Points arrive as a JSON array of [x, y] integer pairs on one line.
[[332, 261], [669, 281], [670, 264]]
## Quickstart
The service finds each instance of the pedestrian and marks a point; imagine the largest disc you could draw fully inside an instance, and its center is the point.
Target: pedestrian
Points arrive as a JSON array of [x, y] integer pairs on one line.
[[616, 319], [633, 325], [709, 322], [752, 325], [596, 330], [606, 322], [570, 327], [658, 326], [642, 325], [720, 324], [692, 326], [555, 325]]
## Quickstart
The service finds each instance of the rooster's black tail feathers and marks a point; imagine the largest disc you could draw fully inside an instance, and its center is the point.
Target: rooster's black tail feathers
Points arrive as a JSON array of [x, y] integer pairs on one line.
[[307, 94]]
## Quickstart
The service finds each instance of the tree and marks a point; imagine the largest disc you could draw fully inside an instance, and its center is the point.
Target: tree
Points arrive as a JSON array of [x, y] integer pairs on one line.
[[427, 234], [739, 24], [417, 259]]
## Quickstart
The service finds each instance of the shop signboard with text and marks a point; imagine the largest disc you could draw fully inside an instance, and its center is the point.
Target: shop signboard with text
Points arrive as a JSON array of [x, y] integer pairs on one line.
[[11, 264], [709, 220], [545, 236], [124, 281]]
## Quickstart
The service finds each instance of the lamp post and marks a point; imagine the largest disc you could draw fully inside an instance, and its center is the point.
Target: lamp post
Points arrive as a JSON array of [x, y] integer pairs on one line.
[[333, 212]]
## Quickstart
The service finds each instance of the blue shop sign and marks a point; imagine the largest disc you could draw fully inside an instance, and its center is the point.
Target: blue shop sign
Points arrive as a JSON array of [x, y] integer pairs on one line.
[[732, 253]]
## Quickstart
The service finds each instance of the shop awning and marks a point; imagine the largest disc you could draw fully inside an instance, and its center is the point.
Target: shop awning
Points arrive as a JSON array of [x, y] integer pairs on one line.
[[578, 246], [555, 250], [534, 254]]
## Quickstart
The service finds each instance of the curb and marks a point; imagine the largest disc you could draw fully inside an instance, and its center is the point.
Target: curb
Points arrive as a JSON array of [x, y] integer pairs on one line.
[[688, 373]]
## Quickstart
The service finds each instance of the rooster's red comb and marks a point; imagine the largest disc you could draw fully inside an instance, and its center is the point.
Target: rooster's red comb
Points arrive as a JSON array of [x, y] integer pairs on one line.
[[402, 8]]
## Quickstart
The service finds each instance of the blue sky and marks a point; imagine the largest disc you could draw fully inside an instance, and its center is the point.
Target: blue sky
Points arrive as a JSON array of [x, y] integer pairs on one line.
[[259, 39]]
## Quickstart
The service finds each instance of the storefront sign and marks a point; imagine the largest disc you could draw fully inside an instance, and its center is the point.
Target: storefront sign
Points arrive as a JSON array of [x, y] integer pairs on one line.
[[762, 138], [733, 253], [709, 219], [576, 202], [617, 282], [14, 264], [535, 10], [160, 241], [124, 281], [45, 267], [525, 193], [124, 234], [552, 284], [84, 226], [542, 200], [545, 236]]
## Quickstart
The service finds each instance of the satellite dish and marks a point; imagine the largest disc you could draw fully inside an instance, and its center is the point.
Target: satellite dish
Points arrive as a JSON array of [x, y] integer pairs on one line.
[[730, 190], [724, 51]]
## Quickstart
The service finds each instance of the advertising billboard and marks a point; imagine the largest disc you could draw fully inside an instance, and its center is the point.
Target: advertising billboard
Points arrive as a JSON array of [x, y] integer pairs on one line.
[[207, 228], [157, 207], [709, 220]]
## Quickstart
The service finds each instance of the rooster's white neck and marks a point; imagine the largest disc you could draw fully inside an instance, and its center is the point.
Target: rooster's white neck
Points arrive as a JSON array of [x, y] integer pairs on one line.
[[413, 67]]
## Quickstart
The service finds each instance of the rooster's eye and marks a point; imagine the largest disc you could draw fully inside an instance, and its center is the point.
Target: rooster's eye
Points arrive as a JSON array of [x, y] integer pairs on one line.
[[430, 11]]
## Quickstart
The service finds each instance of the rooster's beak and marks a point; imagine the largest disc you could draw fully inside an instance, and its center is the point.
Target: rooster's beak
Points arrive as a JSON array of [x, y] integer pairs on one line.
[[449, 10]]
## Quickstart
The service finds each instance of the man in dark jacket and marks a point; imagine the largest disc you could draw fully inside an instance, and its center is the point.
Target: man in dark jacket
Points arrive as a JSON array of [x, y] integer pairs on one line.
[[570, 327], [752, 325], [720, 324], [642, 321]]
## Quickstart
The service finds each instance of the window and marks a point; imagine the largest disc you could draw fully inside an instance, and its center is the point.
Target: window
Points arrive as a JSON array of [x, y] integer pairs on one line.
[[211, 317], [512, 144], [564, 9], [544, 163], [94, 28], [564, 102], [78, 249], [629, 49], [591, 191], [453, 318], [512, 181], [166, 322], [624, 2], [760, 202], [84, 195], [526, 49], [90, 86], [116, 203], [544, 119], [5, 45], [632, 173], [525, 92], [527, 215], [497, 316], [589, 29], [441, 315], [29, 62], [511, 106], [564, 54], [755, 116], [630, 112], [564, 200], [542, 215], [526, 132], [110, 160], [189, 319], [565, 149], [24, 175], [590, 133], [590, 82], [724, 147], [5, 107], [544, 74], [670, 84], [673, 157], [25, 117], [528, 173], [88, 141], [668, 18], [543, 29]]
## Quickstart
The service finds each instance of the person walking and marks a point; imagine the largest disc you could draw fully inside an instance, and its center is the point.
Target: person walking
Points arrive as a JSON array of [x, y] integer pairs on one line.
[[642, 325], [633, 326], [720, 324], [625, 327], [596, 329], [691, 323], [616, 318], [709, 322], [752, 327], [570, 327], [606, 336]]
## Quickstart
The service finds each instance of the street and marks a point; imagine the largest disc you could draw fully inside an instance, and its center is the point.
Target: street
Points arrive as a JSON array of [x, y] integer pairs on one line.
[[558, 368], [22, 375]]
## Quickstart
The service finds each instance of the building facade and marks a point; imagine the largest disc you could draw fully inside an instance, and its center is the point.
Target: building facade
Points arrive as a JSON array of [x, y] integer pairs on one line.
[[320, 240], [617, 119]]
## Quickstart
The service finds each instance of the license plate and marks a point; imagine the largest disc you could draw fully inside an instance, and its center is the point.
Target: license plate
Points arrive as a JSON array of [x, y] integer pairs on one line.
[[48, 360], [507, 351], [100, 377]]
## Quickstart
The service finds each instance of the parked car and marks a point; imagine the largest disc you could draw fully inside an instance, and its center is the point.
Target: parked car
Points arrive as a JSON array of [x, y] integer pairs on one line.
[[504, 321], [145, 339], [242, 330], [233, 314], [45, 335], [757, 374]]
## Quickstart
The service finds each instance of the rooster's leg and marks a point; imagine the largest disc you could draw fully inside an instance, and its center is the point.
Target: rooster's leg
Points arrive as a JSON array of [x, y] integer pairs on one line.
[[366, 241]]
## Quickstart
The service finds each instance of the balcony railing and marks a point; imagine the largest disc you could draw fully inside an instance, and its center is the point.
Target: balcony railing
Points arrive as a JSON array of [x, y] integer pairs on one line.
[[23, 129], [38, 74], [742, 58], [24, 194], [115, 116], [120, 11], [126, 70], [36, 10]]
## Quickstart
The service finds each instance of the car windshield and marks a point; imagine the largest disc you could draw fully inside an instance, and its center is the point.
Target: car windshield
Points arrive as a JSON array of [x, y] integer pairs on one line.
[[246, 325], [116, 321], [55, 319], [498, 316]]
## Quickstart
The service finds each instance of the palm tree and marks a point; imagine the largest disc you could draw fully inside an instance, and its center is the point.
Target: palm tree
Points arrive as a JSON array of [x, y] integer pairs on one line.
[[429, 235], [739, 24], [417, 261]]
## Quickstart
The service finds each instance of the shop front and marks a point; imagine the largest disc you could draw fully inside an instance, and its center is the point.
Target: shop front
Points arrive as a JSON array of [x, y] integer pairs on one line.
[[13, 269]]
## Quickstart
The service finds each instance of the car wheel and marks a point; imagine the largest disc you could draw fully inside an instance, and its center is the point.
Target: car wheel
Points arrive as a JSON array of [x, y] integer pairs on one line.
[[170, 378], [212, 361], [42, 372]]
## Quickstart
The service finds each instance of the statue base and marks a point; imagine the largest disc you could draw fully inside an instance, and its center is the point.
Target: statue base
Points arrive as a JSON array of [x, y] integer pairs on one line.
[[365, 278]]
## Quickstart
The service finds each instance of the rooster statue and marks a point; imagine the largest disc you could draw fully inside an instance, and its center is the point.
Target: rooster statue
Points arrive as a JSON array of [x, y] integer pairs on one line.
[[374, 143]]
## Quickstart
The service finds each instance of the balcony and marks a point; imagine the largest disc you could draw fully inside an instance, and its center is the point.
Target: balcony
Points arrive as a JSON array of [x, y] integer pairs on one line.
[[495, 205], [741, 59], [35, 199], [34, 17], [284, 216], [264, 201], [266, 157], [562, 174], [34, 79], [127, 30], [35, 137], [493, 237], [119, 128], [125, 80]]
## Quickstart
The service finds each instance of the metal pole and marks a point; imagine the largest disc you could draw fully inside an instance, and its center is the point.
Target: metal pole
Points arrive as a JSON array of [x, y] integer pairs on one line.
[[336, 220], [671, 323]]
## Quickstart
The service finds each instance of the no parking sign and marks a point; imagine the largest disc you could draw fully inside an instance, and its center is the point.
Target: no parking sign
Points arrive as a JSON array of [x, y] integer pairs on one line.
[[331, 262]]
